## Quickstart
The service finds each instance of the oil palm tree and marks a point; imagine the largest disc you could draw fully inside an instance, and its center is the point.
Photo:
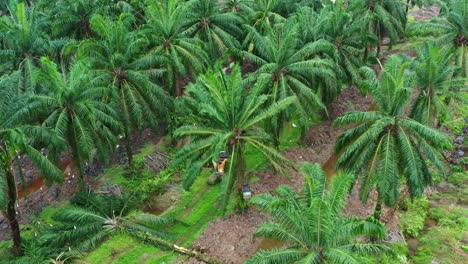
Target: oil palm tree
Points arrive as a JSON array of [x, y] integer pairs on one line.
[[382, 18], [436, 83], [311, 223], [92, 218], [264, 15], [450, 31], [182, 55], [24, 39], [242, 7], [217, 30], [17, 140], [120, 62], [75, 109], [230, 120], [339, 37], [72, 18], [285, 69], [386, 147]]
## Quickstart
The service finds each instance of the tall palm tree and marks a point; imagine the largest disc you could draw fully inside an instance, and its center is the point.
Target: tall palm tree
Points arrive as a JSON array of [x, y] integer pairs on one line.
[[75, 109], [217, 30], [24, 39], [311, 223], [386, 147], [120, 62], [230, 119], [264, 15], [339, 37], [16, 140], [72, 18], [436, 83], [285, 69], [450, 30], [243, 7], [182, 55], [382, 18]]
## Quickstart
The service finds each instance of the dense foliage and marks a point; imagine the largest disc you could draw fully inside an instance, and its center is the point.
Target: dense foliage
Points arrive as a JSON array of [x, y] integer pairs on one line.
[[82, 77]]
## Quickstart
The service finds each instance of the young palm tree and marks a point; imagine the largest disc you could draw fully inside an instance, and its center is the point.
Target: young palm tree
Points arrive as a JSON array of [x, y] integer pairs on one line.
[[436, 83], [14, 141], [451, 31], [120, 63], [386, 146], [311, 223], [75, 109], [182, 54], [382, 18], [217, 30], [230, 120], [285, 70]]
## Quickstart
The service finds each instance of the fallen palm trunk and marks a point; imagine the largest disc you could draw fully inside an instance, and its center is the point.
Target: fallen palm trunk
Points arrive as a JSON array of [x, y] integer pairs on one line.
[[192, 253]]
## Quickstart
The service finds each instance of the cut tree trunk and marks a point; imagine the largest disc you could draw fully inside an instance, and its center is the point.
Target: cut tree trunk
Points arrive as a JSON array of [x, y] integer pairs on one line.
[[192, 253]]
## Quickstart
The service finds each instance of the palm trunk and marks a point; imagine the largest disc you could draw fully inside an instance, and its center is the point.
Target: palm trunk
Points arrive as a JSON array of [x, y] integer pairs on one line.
[[241, 178], [276, 137], [127, 129], [178, 86], [378, 209], [303, 138], [76, 156], [11, 210], [128, 146], [379, 38]]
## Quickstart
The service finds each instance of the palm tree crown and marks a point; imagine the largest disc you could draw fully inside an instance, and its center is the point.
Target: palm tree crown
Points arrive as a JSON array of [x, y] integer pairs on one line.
[[92, 218], [311, 223], [230, 120], [285, 70], [217, 30], [182, 55], [24, 40], [75, 109], [387, 146]]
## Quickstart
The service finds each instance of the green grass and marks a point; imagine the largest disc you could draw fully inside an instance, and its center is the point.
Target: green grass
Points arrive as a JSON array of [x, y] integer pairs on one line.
[[116, 173], [194, 210], [123, 249], [5, 251], [445, 242]]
